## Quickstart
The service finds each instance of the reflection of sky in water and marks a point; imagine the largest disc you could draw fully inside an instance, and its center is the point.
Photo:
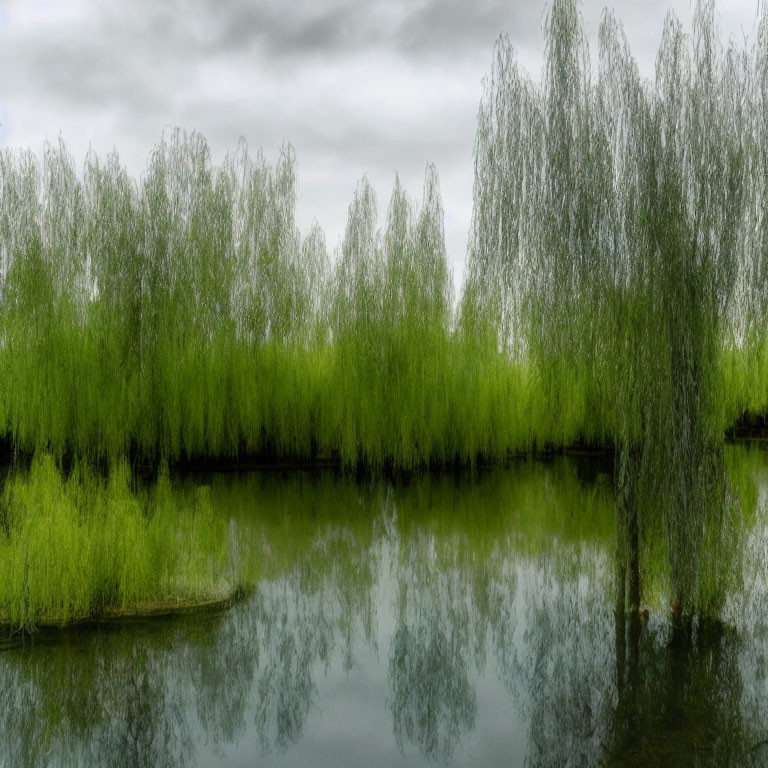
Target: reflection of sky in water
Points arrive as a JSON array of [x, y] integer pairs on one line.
[[349, 720], [442, 621]]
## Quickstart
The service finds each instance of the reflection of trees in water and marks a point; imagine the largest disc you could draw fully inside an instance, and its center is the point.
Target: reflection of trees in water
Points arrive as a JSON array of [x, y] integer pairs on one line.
[[555, 661], [222, 666], [455, 574], [689, 691], [610, 687], [433, 701], [466, 567], [622, 690], [141, 727], [314, 597], [432, 698], [77, 705], [478, 584], [680, 697], [310, 605], [143, 696]]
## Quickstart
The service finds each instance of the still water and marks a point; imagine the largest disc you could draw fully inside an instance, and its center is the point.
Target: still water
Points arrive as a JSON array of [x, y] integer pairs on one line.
[[463, 620]]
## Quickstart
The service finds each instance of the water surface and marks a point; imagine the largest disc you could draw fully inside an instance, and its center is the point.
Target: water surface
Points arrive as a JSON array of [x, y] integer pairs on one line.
[[461, 620]]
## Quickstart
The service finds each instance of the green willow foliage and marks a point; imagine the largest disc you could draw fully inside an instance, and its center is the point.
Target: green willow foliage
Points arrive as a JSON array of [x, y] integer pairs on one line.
[[179, 316], [184, 316], [619, 251]]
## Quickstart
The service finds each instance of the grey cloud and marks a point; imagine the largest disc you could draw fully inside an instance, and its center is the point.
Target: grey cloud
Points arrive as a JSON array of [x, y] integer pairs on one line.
[[87, 76], [102, 60], [303, 30], [420, 28], [446, 27], [142, 53]]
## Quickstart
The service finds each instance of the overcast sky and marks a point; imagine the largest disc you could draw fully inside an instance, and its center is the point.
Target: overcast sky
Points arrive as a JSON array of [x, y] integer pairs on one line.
[[356, 86]]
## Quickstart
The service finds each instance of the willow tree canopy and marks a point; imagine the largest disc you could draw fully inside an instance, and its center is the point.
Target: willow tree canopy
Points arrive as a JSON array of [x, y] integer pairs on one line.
[[619, 243]]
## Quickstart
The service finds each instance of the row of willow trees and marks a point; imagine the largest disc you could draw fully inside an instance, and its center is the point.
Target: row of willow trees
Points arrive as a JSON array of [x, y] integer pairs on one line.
[[183, 315]]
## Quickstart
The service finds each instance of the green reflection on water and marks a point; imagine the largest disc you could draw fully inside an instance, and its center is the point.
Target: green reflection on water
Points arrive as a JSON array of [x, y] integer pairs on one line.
[[453, 619]]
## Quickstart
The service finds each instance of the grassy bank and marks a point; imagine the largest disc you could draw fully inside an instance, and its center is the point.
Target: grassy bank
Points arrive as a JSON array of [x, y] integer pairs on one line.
[[77, 547]]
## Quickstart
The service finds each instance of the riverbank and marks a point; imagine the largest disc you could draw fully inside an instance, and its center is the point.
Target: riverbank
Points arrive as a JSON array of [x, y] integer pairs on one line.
[[80, 547]]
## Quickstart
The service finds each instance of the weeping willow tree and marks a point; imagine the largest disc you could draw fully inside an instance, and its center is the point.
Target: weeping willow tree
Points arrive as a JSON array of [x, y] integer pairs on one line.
[[618, 249]]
